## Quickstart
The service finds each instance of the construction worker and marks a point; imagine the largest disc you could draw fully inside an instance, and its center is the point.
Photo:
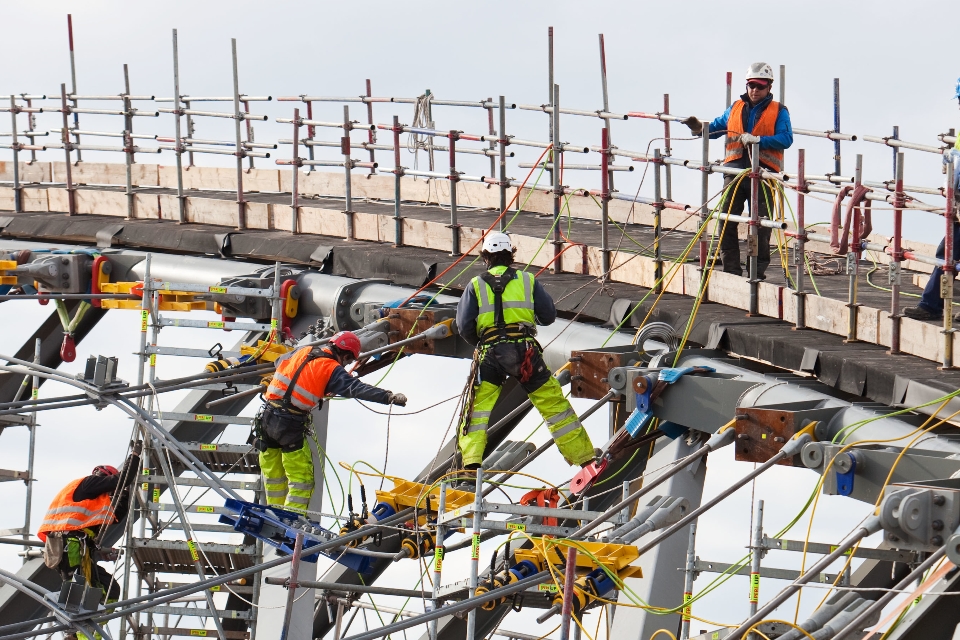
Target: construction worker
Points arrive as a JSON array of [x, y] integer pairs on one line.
[[498, 312], [302, 379], [73, 521], [754, 117], [931, 304]]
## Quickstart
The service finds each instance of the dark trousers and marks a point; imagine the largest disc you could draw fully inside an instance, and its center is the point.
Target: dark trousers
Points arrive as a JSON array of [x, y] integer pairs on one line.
[[729, 243], [931, 300]]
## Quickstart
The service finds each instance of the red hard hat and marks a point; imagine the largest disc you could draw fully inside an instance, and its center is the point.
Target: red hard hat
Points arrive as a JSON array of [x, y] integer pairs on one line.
[[106, 470], [348, 341]]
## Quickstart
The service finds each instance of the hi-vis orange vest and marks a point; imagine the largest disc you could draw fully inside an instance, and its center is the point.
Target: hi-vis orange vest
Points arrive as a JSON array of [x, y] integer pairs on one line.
[[766, 125], [66, 515], [311, 385]]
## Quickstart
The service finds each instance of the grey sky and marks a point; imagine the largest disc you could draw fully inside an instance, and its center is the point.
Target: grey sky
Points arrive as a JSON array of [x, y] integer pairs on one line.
[[888, 55]]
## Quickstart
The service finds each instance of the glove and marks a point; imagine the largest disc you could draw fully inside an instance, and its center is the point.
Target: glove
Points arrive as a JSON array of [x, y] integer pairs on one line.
[[398, 399], [950, 154], [695, 125], [748, 139]]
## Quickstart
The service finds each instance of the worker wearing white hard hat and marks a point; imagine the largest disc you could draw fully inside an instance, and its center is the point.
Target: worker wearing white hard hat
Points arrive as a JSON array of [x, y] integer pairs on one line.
[[499, 311], [755, 118], [930, 306]]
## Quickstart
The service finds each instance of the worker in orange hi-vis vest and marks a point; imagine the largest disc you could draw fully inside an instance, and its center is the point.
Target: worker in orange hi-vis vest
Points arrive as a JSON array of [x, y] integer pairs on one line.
[[72, 522], [754, 118], [302, 380]]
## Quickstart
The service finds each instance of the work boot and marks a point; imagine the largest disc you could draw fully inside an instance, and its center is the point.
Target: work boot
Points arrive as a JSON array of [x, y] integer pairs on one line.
[[731, 262], [466, 480], [920, 313]]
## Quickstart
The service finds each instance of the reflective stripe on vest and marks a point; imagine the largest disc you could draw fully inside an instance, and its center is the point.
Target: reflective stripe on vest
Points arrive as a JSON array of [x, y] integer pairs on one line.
[[311, 385], [517, 300], [66, 515], [766, 125]]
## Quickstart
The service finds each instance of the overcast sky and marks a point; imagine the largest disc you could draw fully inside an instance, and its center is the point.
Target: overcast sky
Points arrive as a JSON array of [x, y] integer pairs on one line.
[[893, 69]]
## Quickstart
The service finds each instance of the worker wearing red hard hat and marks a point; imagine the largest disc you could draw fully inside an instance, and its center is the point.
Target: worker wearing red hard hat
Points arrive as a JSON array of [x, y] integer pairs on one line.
[[755, 118], [72, 522], [302, 379]]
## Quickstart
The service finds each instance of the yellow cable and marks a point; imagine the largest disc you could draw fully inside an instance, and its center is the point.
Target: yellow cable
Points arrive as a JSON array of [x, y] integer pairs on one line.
[[824, 476], [893, 468]]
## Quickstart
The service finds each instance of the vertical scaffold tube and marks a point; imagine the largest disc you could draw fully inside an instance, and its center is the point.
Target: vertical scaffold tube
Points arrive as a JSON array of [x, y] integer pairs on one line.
[[800, 256], [438, 550], [475, 554], [704, 190], [853, 260], [292, 586], [347, 162], [757, 555], [753, 238], [896, 259], [657, 221], [397, 175], [557, 187], [372, 133], [949, 271], [73, 87], [295, 182], [605, 175], [67, 146], [504, 141], [128, 142], [836, 125], [454, 178], [605, 214], [688, 574], [238, 120], [569, 578], [17, 191], [668, 178], [178, 148]]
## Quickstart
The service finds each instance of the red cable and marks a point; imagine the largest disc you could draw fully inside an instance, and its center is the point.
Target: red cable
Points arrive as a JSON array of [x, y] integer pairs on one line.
[[482, 235]]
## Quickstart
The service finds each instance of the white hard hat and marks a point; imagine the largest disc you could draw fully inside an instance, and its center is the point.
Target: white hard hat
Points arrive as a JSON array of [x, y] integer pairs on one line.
[[760, 71], [497, 242]]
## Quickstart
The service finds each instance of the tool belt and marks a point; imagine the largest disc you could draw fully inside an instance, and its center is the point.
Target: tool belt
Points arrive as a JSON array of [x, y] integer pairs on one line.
[[279, 427], [515, 332]]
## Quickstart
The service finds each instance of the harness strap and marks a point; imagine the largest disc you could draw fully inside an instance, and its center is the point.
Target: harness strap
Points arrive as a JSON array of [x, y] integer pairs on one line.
[[498, 284], [314, 355]]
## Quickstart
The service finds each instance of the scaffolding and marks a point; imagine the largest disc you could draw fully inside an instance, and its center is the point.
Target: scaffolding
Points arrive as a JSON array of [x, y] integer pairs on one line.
[[572, 559]]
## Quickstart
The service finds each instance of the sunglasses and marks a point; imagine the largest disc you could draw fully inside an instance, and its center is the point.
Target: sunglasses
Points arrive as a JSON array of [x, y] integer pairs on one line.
[[757, 85]]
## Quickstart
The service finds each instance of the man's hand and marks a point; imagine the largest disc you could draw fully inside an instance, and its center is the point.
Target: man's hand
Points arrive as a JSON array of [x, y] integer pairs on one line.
[[748, 139], [694, 124], [398, 399]]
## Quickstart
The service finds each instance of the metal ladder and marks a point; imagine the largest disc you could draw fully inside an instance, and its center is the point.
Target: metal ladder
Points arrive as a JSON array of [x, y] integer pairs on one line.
[[153, 555]]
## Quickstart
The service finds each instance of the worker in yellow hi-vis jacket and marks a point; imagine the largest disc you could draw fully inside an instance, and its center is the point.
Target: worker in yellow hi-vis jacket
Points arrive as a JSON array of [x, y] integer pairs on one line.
[[498, 312]]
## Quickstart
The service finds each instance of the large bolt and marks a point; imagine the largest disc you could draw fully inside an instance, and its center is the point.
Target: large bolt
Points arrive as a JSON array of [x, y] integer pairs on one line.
[[936, 525], [938, 500], [936, 541]]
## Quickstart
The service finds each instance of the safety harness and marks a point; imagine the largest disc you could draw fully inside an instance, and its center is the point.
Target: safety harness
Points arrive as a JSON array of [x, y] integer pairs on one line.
[[282, 422], [285, 404], [501, 331]]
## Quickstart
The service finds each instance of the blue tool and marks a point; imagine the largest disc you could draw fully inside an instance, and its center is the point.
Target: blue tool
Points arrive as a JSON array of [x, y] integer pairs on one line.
[[279, 528], [845, 480]]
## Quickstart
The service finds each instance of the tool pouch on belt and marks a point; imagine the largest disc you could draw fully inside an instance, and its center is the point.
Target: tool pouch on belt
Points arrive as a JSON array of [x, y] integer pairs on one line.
[[282, 425], [285, 428], [53, 550]]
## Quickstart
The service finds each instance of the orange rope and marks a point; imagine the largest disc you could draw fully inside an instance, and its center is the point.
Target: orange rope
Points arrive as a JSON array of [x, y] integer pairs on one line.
[[484, 234]]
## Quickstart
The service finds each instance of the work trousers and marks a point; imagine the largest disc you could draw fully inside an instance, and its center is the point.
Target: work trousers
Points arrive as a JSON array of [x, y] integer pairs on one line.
[[733, 203], [288, 477], [503, 359], [931, 300]]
